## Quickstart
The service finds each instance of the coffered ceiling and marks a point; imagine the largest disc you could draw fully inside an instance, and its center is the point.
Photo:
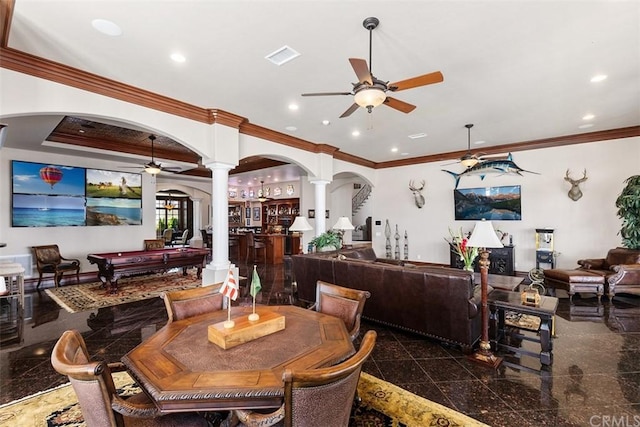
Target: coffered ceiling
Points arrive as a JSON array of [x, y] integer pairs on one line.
[[520, 71]]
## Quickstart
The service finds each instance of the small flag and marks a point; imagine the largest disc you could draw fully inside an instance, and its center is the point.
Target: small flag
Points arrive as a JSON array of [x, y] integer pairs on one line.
[[255, 283], [230, 287]]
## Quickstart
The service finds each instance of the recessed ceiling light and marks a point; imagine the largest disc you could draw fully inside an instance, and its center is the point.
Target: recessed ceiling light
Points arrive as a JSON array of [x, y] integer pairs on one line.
[[394, 150], [404, 154], [106, 27], [418, 135], [178, 57], [588, 117], [585, 126], [355, 133], [326, 122], [291, 128], [598, 78], [81, 131], [479, 142], [293, 107]]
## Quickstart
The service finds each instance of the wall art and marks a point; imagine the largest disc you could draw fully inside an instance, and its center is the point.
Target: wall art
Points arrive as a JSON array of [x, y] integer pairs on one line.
[[492, 203]]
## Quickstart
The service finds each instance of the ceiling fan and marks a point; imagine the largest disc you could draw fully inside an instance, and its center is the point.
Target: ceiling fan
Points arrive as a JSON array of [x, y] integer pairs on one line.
[[154, 168], [371, 92], [469, 159]]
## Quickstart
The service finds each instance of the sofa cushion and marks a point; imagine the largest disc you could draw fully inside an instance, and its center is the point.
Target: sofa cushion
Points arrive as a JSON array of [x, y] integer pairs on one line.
[[622, 256]]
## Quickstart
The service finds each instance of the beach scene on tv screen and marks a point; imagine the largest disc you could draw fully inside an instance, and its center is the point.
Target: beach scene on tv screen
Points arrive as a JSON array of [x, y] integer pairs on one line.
[[491, 203]]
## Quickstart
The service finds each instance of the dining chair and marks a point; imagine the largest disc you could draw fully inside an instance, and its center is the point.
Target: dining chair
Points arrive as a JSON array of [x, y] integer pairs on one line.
[[192, 302], [182, 240], [234, 246], [167, 235], [99, 401], [255, 245], [316, 397], [49, 260], [345, 303]]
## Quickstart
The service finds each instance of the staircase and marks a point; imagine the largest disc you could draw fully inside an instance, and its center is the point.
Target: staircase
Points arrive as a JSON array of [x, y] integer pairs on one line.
[[361, 196]]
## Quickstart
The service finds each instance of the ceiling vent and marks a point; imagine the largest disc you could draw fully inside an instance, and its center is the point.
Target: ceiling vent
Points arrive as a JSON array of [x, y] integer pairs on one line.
[[282, 55]]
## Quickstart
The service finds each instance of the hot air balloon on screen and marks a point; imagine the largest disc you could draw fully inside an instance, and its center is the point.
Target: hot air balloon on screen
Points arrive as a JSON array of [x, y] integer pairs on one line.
[[51, 175]]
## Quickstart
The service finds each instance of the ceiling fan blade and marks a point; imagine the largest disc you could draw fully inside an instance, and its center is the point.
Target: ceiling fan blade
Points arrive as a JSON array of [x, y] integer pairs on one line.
[[405, 107], [350, 110], [362, 70], [327, 93], [426, 79]]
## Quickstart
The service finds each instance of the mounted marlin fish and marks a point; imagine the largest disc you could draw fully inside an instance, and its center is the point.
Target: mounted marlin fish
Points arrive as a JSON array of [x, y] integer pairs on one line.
[[498, 166]]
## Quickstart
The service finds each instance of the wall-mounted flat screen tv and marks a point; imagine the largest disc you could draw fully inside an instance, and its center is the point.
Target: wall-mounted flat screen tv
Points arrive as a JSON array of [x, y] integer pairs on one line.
[[491, 203], [47, 195]]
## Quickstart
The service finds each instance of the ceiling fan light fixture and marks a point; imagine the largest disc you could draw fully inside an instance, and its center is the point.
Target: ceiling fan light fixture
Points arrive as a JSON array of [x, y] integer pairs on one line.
[[468, 162], [152, 169], [370, 97]]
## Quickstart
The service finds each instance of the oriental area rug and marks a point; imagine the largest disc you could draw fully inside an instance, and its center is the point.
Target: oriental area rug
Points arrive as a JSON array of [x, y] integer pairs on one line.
[[91, 296], [383, 405]]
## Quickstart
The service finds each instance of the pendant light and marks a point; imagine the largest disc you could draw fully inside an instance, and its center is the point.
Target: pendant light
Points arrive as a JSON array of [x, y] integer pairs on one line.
[[262, 197]]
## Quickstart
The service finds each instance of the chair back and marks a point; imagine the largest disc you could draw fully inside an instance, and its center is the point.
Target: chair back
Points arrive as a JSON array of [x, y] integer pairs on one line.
[[183, 238], [192, 302], [167, 235], [47, 255], [251, 240], [345, 303], [324, 397], [206, 238], [91, 381], [151, 244]]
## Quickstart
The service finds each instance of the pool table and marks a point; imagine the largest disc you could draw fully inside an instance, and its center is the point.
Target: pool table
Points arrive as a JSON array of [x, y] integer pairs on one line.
[[112, 266]]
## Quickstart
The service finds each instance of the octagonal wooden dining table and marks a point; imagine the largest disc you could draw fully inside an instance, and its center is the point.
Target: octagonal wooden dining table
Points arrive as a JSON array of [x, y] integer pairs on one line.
[[181, 370]]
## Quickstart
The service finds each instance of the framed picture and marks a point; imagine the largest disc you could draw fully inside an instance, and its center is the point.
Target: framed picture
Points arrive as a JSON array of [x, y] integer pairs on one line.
[[312, 213], [256, 214], [247, 222], [492, 203], [247, 213]]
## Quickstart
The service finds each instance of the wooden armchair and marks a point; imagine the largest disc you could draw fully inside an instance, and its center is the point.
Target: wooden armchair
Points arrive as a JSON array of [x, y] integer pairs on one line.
[[341, 302], [192, 302], [49, 260], [316, 397], [100, 404]]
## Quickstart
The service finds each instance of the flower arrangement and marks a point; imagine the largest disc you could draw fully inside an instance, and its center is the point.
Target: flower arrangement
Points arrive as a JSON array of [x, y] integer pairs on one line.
[[459, 246]]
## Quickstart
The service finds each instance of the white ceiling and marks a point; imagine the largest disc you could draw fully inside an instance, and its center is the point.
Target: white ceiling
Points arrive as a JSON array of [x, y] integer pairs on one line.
[[518, 70]]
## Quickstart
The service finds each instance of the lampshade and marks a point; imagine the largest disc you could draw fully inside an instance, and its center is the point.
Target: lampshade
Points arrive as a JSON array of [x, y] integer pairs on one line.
[[343, 224], [152, 169], [370, 97], [484, 236], [300, 224], [468, 161]]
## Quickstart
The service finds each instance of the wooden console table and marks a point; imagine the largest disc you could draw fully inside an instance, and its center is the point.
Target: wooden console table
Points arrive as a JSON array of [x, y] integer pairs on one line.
[[503, 301]]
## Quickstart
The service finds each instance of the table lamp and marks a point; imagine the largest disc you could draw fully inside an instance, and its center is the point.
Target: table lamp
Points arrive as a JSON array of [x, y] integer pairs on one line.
[[299, 225], [341, 225], [483, 237]]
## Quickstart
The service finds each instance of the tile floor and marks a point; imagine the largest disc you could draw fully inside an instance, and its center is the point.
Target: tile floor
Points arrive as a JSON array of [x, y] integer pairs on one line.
[[594, 380]]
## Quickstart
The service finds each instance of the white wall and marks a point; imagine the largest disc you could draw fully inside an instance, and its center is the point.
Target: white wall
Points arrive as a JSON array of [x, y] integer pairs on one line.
[[586, 228]]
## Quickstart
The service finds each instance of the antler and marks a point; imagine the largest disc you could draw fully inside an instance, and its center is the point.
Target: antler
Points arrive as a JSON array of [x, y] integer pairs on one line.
[[413, 188], [576, 181]]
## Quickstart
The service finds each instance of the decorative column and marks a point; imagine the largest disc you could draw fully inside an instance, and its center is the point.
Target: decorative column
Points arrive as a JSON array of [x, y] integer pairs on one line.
[[320, 205], [216, 270], [196, 240]]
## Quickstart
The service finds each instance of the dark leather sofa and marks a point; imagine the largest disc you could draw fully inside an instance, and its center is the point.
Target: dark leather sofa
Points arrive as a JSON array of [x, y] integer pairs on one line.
[[620, 268], [437, 302]]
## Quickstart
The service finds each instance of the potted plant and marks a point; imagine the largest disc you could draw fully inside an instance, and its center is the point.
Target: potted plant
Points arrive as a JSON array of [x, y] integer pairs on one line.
[[628, 204], [327, 241]]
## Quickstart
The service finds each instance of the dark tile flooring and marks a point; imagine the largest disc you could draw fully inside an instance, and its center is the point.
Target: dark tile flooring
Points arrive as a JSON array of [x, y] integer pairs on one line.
[[594, 380]]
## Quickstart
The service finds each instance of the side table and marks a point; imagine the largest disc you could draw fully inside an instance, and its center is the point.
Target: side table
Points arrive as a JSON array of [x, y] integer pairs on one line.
[[11, 303], [501, 302]]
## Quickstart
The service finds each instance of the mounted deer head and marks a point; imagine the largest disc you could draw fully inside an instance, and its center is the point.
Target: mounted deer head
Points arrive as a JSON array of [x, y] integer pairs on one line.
[[575, 193], [417, 195]]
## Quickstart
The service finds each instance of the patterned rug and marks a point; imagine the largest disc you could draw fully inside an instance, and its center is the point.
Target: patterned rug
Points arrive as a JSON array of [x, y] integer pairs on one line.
[[383, 405], [91, 296]]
